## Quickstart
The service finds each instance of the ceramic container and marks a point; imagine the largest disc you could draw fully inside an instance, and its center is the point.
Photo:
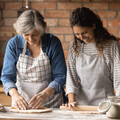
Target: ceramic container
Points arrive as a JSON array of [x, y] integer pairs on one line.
[[110, 107]]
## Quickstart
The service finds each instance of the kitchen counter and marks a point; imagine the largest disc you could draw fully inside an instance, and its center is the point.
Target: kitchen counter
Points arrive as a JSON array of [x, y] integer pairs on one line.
[[4, 99], [1, 88], [56, 114]]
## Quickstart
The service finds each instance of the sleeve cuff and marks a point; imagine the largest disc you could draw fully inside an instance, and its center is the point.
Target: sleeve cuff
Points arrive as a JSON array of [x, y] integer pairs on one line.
[[72, 90], [55, 86], [117, 93], [9, 86]]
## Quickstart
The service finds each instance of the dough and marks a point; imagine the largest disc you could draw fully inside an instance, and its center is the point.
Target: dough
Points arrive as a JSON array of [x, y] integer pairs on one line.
[[40, 110]]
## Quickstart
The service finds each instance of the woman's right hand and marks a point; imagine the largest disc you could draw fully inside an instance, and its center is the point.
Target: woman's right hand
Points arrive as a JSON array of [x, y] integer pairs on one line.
[[70, 104], [71, 99], [18, 100]]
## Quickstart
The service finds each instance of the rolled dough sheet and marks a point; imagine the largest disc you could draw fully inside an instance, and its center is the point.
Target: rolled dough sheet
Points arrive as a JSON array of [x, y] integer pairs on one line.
[[31, 110]]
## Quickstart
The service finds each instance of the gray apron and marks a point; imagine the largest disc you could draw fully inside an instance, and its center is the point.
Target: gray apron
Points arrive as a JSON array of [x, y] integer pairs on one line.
[[33, 76], [95, 80]]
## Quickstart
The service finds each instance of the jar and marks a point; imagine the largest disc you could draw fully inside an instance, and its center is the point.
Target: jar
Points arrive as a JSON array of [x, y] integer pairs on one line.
[[111, 107], [114, 111], [114, 99]]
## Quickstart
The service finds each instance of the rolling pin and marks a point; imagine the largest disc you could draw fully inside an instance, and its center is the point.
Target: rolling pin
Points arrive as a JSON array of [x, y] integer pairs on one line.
[[79, 108]]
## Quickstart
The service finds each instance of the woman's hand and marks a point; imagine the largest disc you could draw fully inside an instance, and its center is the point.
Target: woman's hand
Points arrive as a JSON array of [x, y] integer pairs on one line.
[[19, 101], [40, 98], [37, 100], [72, 104], [71, 98]]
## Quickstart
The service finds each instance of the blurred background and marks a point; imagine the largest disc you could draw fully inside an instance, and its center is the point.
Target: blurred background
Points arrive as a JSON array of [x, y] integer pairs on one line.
[[56, 14]]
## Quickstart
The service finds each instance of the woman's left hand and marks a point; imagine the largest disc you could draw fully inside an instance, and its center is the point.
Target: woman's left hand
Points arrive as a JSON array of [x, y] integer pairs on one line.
[[37, 100]]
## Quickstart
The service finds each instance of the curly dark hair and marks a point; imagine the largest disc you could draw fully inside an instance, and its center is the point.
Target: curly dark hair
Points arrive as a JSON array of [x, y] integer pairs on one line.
[[85, 17]]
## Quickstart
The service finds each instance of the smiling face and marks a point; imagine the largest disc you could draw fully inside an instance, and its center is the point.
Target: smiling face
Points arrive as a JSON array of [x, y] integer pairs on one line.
[[32, 38], [85, 34]]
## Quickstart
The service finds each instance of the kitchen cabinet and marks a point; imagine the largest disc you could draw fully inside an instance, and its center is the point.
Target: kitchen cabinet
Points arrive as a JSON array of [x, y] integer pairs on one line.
[[4, 99]]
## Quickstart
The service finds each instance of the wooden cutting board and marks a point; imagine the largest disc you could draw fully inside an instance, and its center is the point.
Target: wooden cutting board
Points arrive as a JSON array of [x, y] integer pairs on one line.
[[81, 109], [31, 110]]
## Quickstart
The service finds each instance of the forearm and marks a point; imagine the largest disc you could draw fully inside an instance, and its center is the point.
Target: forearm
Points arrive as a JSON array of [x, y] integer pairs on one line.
[[13, 92], [48, 91], [72, 84], [58, 66], [71, 97], [8, 76]]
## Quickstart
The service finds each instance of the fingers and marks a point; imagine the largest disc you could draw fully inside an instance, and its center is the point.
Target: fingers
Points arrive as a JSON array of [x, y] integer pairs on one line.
[[37, 100], [37, 105], [20, 103], [32, 103], [25, 104], [32, 100], [66, 104], [72, 104], [75, 103], [20, 106], [63, 104]]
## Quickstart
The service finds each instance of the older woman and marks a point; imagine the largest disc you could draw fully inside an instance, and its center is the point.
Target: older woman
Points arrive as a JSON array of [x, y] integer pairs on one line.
[[34, 69], [93, 62]]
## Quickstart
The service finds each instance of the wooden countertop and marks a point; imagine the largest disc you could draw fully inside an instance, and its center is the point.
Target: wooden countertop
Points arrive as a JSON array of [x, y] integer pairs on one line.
[[4, 99], [56, 114], [1, 88]]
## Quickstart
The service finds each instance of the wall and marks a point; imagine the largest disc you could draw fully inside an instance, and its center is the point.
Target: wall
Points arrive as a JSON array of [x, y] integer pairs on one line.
[[56, 13]]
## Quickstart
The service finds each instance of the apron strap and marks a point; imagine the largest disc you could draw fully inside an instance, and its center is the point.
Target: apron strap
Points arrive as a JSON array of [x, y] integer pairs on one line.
[[82, 47], [25, 46], [41, 51]]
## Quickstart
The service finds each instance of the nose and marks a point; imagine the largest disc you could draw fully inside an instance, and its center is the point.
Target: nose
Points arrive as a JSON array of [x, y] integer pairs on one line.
[[80, 36], [30, 38]]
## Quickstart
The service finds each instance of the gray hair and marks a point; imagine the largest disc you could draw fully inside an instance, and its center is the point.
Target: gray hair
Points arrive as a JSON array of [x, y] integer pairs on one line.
[[28, 21]]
